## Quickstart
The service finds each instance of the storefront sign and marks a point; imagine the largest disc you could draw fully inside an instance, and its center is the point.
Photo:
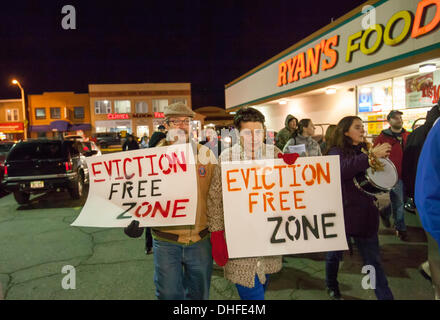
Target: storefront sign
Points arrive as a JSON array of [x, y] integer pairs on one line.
[[15, 127], [401, 28], [140, 185], [140, 115], [271, 208], [159, 115], [115, 116], [423, 90]]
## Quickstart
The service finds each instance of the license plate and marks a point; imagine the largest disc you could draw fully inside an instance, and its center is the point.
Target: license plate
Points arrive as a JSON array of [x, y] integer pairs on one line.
[[37, 184]]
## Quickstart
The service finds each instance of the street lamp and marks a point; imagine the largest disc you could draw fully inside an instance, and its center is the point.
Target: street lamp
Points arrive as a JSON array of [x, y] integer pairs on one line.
[[24, 108]]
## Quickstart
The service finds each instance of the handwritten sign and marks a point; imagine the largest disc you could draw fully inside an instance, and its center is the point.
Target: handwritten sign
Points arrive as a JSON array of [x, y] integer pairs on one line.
[[145, 185], [272, 208]]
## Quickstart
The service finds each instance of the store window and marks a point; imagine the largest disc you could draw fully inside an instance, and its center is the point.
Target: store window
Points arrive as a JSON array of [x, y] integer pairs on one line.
[[78, 112], [103, 107], [142, 131], [159, 105], [122, 106], [55, 113], [181, 100], [141, 107], [40, 113], [12, 114]]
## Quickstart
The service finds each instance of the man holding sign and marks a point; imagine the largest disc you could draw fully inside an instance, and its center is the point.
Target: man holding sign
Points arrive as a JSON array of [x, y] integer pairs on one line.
[[266, 207], [164, 188]]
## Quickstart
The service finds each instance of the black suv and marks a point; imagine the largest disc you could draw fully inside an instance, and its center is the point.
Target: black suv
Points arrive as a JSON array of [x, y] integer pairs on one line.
[[40, 165], [106, 139]]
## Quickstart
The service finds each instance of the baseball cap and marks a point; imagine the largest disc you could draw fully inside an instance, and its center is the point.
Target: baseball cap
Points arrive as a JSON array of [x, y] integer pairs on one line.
[[393, 113]]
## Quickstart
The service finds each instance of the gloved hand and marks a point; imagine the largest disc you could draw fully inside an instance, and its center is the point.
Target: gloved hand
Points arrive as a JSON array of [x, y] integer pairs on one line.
[[219, 248], [133, 230], [289, 158]]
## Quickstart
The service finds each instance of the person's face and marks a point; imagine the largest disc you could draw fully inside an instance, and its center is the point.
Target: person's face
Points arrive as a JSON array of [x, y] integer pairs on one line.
[[396, 122], [293, 124], [310, 130], [251, 137], [356, 132], [211, 134], [179, 126]]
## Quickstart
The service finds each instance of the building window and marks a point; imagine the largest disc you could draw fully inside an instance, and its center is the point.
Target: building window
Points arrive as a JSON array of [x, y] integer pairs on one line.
[[159, 105], [103, 107], [55, 113], [122, 106], [141, 107], [12, 114], [40, 113], [78, 112], [181, 100]]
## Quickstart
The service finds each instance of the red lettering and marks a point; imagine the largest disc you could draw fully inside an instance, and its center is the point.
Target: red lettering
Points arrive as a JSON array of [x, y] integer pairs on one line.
[[95, 172], [163, 212], [138, 214], [182, 164], [117, 167], [170, 161], [419, 30], [331, 53], [125, 169], [176, 207], [139, 164], [108, 168], [152, 165]]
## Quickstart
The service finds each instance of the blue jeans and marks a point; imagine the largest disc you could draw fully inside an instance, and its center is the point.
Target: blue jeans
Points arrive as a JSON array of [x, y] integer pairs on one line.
[[397, 206], [255, 293], [369, 250], [182, 272]]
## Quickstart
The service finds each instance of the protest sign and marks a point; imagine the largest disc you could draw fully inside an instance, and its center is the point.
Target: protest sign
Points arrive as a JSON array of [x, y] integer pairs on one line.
[[144, 185], [271, 208]]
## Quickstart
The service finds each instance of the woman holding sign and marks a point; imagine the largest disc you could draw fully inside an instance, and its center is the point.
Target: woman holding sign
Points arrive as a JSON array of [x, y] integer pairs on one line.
[[303, 137], [360, 213], [250, 275]]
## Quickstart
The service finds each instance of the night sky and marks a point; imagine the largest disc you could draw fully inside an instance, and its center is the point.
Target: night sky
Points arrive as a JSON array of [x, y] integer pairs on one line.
[[205, 42]]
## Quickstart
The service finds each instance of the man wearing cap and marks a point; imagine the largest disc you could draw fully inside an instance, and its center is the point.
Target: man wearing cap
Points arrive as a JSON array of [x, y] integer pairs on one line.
[[396, 136], [182, 254]]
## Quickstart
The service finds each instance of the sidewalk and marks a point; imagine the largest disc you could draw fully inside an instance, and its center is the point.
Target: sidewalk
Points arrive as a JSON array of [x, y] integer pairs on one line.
[[37, 241]]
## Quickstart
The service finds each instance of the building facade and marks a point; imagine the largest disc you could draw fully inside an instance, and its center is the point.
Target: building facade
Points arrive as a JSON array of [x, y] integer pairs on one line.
[[11, 120], [52, 114], [365, 63], [135, 108]]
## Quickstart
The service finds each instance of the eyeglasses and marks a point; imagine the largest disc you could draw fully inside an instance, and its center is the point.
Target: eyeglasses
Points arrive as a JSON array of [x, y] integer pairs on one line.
[[178, 122]]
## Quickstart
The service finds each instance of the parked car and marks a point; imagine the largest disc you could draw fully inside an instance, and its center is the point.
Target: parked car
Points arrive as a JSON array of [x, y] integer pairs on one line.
[[5, 146], [106, 139], [91, 146], [40, 165]]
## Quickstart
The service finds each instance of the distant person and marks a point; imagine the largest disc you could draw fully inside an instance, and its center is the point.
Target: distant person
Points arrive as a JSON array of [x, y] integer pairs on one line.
[[327, 138], [212, 141], [144, 142], [157, 136], [304, 136], [130, 144], [396, 136], [427, 197], [291, 123]]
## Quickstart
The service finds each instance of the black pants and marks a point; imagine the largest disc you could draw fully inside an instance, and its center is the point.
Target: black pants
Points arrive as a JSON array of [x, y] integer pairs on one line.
[[148, 239]]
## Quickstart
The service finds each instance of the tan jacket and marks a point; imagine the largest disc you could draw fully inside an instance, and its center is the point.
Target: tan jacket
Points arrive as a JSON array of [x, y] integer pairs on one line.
[[242, 270], [193, 233]]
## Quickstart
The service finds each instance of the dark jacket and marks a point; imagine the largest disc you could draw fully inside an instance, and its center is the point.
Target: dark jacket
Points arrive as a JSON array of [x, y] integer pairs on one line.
[[155, 138], [360, 213], [413, 148], [130, 145], [285, 134], [396, 155]]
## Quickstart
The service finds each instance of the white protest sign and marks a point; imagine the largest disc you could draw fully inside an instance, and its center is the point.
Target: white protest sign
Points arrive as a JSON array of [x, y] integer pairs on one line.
[[144, 185], [271, 208], [300, 149]]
